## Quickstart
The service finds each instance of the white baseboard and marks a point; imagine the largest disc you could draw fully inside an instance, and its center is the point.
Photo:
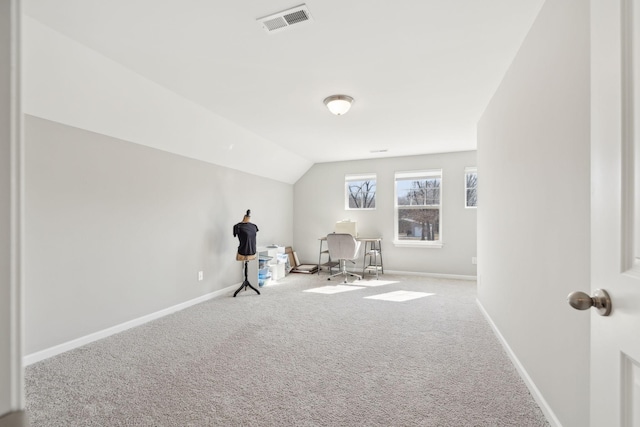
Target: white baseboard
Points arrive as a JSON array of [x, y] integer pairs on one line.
[[434, 275], [416, 273], [78, 342], [535, 392]]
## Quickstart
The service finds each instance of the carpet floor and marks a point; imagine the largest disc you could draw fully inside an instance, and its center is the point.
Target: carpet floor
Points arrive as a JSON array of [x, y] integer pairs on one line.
[[400, 351]]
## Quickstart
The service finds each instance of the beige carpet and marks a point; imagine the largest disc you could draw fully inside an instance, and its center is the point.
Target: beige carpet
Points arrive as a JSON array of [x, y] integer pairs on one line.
[[295, 358]]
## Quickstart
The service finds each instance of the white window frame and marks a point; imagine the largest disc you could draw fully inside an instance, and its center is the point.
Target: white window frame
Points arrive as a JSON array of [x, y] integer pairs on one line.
[[423, 174], [356, 178], [467, 171]]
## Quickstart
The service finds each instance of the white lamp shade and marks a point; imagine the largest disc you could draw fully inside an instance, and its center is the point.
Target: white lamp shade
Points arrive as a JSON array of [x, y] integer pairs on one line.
[[338, 104]]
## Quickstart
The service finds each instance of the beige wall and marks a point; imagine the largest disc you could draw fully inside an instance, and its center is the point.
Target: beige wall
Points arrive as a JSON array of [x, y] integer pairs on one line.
[[533, 218], [116, 231], [319, 202]]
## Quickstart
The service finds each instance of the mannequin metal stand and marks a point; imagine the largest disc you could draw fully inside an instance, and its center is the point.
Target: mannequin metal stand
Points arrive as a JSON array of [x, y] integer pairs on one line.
[[246, 283]]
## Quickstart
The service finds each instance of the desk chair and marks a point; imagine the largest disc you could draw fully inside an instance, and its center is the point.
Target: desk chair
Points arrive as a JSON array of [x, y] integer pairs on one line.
[[343, 247]]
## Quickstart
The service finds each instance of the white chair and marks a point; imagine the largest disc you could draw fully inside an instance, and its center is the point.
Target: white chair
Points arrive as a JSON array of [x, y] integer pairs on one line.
[[343, 247]]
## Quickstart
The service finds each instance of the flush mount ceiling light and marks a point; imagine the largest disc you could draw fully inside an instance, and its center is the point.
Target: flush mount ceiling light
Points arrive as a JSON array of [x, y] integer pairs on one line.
[[338, 104]]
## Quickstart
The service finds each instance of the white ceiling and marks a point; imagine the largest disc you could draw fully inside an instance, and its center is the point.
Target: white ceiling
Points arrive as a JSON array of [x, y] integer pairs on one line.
[[421, 71]]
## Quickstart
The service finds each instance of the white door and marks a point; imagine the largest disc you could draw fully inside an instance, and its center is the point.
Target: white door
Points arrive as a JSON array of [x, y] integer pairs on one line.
[[615, 211]]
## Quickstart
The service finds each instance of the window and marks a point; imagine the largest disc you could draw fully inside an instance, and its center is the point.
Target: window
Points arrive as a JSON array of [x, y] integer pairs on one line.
[[418, 207], [471, 187], [360, 191]]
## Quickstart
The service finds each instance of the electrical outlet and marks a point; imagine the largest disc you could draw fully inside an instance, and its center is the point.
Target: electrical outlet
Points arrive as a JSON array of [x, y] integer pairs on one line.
[[474, 260], [200, 275]]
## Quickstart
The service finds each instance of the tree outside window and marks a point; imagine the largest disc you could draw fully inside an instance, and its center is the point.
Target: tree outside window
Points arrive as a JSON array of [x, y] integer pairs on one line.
[[471, 187], [418, 206], [360, 191]]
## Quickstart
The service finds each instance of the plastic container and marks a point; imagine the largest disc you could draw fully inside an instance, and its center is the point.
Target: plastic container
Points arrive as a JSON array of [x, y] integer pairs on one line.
[[262, 280]]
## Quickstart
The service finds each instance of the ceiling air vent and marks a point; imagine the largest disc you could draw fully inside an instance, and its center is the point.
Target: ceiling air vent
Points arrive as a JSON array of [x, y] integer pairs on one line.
[[283, 20]]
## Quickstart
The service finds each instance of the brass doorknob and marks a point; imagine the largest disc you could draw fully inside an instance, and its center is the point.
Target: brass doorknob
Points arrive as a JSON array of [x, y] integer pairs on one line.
[[582, 301]]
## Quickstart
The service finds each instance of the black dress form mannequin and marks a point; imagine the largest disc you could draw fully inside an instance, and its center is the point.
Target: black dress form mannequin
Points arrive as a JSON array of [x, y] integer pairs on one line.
[[246, 232]]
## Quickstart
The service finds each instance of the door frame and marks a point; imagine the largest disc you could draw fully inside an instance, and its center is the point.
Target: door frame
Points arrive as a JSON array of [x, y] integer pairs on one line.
[[12, 196]]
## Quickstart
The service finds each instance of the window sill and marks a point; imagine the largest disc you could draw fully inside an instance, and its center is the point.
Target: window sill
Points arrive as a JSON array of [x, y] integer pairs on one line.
[[405, 244]]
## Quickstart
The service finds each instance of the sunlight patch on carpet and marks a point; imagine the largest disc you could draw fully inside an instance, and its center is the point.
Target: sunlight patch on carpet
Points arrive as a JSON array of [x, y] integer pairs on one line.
[[333, 289], [400, 296]]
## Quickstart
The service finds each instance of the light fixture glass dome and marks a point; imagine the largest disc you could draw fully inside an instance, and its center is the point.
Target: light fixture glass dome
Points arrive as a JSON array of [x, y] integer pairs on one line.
[[338, 104]]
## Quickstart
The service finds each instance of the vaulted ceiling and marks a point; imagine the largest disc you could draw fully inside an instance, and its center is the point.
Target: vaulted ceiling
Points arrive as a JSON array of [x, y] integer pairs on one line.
[[421, 71]]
